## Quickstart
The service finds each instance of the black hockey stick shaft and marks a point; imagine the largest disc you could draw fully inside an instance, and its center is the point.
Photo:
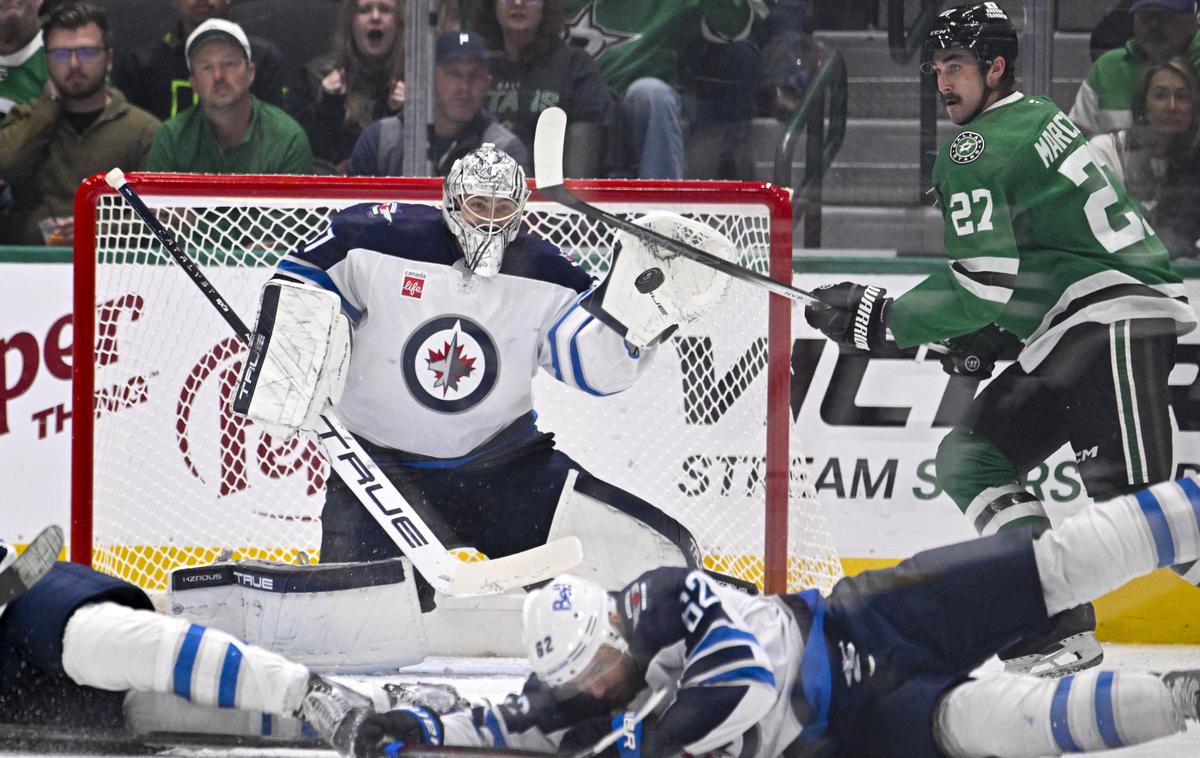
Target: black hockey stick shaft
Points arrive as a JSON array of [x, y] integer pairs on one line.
[[560, 194], [182, 259]]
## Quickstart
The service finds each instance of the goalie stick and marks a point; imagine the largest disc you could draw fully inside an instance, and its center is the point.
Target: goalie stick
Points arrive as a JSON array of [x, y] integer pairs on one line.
[[374, 491], [31, 565]]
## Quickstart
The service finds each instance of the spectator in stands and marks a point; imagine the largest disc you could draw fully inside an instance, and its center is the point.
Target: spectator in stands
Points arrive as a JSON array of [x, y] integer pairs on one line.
[[360, 82], [229, 131], [533, 69], [156, 77], [638, 47], [1112, 30], [1161, 29], [81, 127], [1155, 158], [22, 61], [460, 123]]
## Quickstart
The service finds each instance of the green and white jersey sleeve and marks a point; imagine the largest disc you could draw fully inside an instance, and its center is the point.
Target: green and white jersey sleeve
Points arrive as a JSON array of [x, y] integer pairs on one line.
[[1039, 237]]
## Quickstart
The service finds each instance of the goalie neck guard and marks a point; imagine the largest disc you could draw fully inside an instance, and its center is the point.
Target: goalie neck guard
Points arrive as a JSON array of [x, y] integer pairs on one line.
[[564, 627], [483, 203]]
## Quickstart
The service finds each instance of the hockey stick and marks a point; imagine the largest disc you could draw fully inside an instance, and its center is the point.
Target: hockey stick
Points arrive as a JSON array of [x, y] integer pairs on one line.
[[30, 566], [548, 175], [630, 721], [362, 476]]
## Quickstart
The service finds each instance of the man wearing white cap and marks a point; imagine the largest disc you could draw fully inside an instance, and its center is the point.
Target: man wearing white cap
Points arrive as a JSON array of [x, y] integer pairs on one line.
[[229, 131]]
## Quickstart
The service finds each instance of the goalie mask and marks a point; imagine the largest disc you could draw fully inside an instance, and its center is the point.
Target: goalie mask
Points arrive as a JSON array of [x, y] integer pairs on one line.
[[483, 203], [569, 635]]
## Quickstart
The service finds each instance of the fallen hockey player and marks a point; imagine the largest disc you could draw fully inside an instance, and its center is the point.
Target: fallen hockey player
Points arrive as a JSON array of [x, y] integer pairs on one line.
[[881, 667]]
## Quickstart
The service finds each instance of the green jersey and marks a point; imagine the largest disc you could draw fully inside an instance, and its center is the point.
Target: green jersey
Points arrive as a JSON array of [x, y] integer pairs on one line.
[[634, 38], [273, 144], [1040, 238], [23, 74]]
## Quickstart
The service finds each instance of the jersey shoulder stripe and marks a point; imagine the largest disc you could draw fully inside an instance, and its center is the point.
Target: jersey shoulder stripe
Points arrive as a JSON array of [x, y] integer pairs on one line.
[[531, 257]]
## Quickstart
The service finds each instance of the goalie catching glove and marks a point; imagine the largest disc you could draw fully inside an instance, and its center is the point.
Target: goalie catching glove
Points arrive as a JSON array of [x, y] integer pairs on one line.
[[856, 315], [298, 357], [649, 291]]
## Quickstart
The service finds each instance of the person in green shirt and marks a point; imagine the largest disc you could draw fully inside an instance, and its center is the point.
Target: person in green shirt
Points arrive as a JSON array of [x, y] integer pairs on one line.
[[229, 131], [23, 71], [1046, 251], [1161, 29]]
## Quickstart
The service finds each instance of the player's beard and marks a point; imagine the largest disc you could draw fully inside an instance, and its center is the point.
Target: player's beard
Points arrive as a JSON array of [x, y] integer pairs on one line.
[[81, 86]]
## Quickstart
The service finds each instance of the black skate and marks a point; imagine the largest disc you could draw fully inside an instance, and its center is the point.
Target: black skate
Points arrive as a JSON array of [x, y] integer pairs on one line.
[[1069, 647], [20, 572]]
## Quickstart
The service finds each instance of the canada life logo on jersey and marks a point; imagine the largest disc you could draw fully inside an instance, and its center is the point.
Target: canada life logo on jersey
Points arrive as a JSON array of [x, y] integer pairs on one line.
[[414, 285], [450, 364]]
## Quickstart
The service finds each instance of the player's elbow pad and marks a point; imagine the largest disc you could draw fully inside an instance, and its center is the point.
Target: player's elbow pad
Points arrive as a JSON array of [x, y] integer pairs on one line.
[[298, 358]]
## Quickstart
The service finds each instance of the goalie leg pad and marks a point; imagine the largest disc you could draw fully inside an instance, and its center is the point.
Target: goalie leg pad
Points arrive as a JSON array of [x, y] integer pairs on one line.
[[345, 617], [298, 357], [650, 291], [113, 647], [617, 545], [1019, 715]]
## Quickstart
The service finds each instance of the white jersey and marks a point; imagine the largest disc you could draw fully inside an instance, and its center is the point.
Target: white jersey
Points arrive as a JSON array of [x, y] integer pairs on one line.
[[442, 359], [731, 663]]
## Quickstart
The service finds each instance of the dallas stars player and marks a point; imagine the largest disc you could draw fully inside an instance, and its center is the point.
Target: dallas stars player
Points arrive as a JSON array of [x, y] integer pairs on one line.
[[1045, 246]]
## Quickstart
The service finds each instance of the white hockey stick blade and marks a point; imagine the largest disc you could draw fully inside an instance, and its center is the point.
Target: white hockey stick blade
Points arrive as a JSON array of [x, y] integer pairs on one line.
[[31, 565], [548, 139], [644, 710], [529, 567]]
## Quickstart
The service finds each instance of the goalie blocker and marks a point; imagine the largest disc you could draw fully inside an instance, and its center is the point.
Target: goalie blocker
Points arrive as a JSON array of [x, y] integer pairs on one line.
[[650, 290], [299, 353]]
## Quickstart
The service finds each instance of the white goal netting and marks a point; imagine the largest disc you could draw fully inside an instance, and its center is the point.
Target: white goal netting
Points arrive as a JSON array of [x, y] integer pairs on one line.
[[166, 475]]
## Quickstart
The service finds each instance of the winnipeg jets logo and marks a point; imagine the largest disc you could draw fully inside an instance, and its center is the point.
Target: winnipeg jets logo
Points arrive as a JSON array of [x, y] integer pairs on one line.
[[450, 364], [584, 31], [966, 147]]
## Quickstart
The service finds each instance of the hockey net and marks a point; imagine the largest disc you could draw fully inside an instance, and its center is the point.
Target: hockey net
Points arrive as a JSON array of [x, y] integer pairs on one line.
[[164, 474]]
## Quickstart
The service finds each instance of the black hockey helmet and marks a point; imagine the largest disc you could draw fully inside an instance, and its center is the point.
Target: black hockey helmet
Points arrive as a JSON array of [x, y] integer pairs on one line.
[[980, 27]]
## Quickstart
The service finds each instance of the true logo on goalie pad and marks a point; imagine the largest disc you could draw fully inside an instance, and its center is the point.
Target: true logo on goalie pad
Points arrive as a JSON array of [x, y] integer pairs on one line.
[[450, 364]]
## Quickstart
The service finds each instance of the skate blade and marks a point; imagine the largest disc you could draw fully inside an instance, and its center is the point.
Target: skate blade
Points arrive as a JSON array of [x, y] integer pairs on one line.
[[1075, 653]]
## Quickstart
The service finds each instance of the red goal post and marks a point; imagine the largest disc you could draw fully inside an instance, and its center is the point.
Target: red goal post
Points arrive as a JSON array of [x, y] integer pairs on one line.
[[163, 474]]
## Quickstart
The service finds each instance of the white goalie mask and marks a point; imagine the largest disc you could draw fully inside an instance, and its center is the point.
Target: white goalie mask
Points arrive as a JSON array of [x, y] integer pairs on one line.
[[564, 627], [483, 202]]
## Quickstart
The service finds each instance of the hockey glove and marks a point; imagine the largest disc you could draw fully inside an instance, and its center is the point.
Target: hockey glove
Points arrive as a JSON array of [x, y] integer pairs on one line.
[[385, 734], [857, 316], [975, 354]]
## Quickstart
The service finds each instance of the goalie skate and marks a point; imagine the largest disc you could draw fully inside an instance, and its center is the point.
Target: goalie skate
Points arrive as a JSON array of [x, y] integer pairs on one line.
[[20, 572]]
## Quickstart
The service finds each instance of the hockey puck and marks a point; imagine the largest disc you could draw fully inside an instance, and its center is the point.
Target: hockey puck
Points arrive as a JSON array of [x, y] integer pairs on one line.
[[649, 280]]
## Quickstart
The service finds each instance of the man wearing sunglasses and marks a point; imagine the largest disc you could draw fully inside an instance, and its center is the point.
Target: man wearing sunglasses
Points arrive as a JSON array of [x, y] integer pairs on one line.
[[79, 128]]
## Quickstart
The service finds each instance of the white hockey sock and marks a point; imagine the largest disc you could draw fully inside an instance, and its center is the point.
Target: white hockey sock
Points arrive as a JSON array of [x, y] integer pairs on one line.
[[1107, 544], [113, 647], [1019, 715]]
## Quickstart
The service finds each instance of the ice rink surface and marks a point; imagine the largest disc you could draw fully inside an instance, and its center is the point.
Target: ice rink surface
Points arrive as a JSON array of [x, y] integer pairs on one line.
[[494, 678]]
